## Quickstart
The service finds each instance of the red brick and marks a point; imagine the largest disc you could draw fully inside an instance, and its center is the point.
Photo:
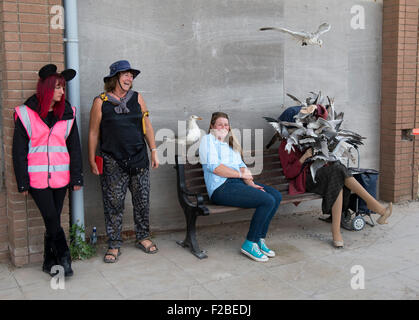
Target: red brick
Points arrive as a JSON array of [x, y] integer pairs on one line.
[[34, 37], [19, 261], [33, 18], [45, 2], [36, 258], [10, 17], [35, 47], [33, 8], [57, 48], [11, 36], [36, 56], [34, 28], [4, 256], [12, 46], [14, 85], [9, 6], [55, 2], [32, 66], [10, 26]]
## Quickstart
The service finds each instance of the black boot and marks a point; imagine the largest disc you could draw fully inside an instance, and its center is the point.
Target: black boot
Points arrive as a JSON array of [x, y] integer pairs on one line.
[[63, 253], [49, 257], [65, 262]]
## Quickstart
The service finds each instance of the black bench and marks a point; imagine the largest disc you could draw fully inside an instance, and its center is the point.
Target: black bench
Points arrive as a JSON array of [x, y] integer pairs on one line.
[[193, 196]]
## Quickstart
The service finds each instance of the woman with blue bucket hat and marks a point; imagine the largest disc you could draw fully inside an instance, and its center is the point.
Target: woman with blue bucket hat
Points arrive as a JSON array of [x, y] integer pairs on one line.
[[119, 124]]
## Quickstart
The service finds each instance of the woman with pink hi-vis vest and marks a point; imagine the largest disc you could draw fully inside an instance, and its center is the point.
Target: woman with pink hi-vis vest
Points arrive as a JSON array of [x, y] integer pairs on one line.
[[47, 158]]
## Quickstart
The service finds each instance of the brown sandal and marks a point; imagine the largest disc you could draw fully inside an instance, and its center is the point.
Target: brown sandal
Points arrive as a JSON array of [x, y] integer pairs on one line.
[[139, 245], [108, 253]]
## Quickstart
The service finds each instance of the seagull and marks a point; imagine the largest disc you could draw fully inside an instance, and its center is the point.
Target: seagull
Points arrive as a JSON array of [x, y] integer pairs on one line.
[[331, 109], [306, 38], [193, 132], [303, 104]]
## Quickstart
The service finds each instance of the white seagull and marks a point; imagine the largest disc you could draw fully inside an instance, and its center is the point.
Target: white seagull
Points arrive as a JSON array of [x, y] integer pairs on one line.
[[193, 132], [306, 38]]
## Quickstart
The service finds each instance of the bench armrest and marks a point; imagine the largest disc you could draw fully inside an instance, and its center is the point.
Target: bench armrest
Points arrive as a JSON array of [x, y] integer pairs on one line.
[[199, 197], [184, 193]]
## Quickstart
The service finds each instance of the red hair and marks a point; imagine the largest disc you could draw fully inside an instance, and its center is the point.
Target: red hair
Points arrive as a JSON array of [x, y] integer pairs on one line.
[[45, 93]]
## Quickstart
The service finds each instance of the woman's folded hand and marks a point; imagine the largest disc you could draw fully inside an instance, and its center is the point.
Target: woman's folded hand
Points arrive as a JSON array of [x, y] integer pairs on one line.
[[246, 174]]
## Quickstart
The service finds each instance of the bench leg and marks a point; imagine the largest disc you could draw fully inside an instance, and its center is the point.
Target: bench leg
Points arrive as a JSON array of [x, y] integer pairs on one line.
[[190, 239]]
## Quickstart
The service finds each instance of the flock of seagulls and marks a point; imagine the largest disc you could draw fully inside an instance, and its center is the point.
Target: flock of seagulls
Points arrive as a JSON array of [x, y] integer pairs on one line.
[[327, 139]]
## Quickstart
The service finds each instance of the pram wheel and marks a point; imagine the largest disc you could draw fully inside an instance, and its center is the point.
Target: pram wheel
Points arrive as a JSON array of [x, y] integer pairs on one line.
[[358, 223]]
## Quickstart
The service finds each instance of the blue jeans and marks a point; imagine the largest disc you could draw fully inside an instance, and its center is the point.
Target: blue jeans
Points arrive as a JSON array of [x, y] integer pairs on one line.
[[235, 193]]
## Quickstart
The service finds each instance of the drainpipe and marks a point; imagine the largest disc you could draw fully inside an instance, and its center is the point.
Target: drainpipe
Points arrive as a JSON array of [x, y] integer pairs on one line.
[[72, 61]]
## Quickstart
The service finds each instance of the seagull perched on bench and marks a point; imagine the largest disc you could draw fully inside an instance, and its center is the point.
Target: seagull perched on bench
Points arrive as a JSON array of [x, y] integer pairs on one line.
[[306, 38], [193, 132]]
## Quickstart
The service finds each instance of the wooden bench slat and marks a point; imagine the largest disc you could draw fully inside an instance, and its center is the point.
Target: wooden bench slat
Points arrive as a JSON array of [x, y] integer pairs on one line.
[[195, 182], [193, 174], [214, 209], [198, 189], [299, 197]]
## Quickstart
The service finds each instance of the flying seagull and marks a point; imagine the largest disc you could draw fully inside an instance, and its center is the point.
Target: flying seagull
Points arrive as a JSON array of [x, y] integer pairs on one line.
[[306, 38]]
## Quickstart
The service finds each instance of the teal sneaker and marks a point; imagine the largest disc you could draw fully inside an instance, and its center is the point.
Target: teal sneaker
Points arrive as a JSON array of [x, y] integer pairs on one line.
[[262, 245], [251, 249]]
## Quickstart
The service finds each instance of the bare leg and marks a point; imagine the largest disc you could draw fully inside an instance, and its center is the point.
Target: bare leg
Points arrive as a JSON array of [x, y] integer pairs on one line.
[[336, 217], [372, 204], [357, 188]]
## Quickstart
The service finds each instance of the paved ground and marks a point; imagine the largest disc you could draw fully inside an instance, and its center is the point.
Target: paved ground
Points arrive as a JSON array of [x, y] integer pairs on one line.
[[306, 267]]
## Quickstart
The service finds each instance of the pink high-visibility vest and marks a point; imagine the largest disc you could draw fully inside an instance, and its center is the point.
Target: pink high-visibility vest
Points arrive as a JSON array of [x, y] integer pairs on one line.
[[48, 158]]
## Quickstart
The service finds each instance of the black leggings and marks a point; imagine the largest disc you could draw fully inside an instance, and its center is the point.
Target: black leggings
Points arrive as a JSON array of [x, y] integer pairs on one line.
[[50, 203]]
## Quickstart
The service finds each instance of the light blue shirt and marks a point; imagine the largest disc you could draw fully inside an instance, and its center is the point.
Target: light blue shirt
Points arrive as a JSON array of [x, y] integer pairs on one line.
[[213, 153]]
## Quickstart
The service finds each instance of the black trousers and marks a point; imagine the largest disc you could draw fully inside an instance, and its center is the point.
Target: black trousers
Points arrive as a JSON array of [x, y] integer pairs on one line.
[[50, 203]]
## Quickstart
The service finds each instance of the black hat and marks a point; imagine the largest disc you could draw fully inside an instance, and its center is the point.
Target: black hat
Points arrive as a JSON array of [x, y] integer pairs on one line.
[[50, 69]]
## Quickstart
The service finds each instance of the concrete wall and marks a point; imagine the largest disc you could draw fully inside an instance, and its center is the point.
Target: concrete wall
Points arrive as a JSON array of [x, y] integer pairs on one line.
[[198, 57]]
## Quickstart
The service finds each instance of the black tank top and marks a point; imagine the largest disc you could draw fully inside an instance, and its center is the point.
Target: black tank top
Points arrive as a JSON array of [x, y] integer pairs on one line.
[[121, 135]]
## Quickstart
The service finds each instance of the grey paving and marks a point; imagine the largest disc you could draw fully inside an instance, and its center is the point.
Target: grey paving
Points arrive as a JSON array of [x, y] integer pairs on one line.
[[306, 266]]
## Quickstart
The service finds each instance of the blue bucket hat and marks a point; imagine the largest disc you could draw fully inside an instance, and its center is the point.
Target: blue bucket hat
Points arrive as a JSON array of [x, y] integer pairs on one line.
[[119, 66]]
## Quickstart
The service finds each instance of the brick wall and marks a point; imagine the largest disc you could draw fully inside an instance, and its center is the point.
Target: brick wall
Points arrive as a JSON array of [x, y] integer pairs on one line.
[[28, 44], [399, 112], [4, 237], [416, 118]]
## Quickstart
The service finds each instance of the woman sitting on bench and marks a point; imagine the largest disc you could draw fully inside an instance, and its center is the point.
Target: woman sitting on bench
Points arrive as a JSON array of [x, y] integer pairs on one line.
[[230, 183], [334, 182]]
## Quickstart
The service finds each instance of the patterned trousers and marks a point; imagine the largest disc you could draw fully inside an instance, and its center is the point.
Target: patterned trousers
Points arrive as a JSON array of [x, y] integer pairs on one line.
[[115, 181]]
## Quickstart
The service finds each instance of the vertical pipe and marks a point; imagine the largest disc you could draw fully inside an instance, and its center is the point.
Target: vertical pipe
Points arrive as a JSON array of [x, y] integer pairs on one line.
[[72, 61]]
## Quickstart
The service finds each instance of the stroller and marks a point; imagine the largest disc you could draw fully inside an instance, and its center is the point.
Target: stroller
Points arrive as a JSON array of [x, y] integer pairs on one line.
[[353, 217]]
